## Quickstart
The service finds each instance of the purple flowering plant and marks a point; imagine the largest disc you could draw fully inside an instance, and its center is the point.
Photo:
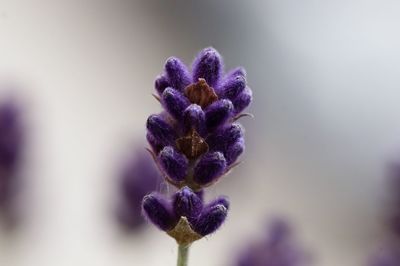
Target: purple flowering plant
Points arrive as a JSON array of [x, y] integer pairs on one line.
[[138, 176], [388, 254], [278, 247], [195, 141], [11, 143], [11, 151]]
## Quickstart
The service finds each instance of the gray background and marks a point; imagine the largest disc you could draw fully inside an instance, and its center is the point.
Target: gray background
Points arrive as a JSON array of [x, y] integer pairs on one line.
[[326, 104]]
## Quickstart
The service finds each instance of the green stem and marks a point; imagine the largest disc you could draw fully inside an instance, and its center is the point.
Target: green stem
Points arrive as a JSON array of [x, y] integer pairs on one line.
[[183, 255]]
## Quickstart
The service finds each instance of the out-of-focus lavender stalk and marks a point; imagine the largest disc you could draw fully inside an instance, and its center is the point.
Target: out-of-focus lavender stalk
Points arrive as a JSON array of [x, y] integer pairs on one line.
[[389, 253], [11, 147], [394, 198], [138, 177], [278, 248], [387, 256]]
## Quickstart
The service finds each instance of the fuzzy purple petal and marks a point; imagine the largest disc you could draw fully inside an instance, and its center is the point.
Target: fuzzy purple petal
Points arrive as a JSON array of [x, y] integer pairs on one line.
[[155, 145], [221, 200], [187, 203], [238, 71], [242, 100], [211, 166], [221, 139], [218, 113], [210, 219], [178, 74], [232, 87], [194, 118], [173, 163], [208, 65], [161, 83], [159, 211], [174, 102], [234, 151], [160, 131]]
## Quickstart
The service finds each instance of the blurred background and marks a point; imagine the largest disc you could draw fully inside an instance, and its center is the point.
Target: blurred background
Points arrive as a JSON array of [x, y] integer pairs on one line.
[[326, 83]]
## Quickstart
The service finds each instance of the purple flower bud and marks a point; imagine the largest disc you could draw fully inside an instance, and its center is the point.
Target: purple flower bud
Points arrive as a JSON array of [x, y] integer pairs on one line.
[[221, 139], [208, 65], [232, 87], [159, 211], [155, 145], [173, 163], [210, 219], [161, 132], [238, 71], [234, 151], [218, 113], [175, 102], [221, 200], [243, 100], [161, 84], [194, 118], [178, 74], [211, 166], [187, 203]]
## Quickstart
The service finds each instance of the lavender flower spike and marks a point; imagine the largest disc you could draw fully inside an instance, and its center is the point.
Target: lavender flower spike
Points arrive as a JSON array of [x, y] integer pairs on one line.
[[195, 141], [198, 122]]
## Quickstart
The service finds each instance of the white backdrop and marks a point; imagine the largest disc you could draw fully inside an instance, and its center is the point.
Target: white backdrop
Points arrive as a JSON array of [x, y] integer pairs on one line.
[[326, 85]]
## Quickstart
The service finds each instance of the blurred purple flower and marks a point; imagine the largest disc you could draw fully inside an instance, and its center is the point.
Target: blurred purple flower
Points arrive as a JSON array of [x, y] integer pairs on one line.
[[197, 132], [394, 195], [387, 256], [278, 248], [11, 144], [139, 176]]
